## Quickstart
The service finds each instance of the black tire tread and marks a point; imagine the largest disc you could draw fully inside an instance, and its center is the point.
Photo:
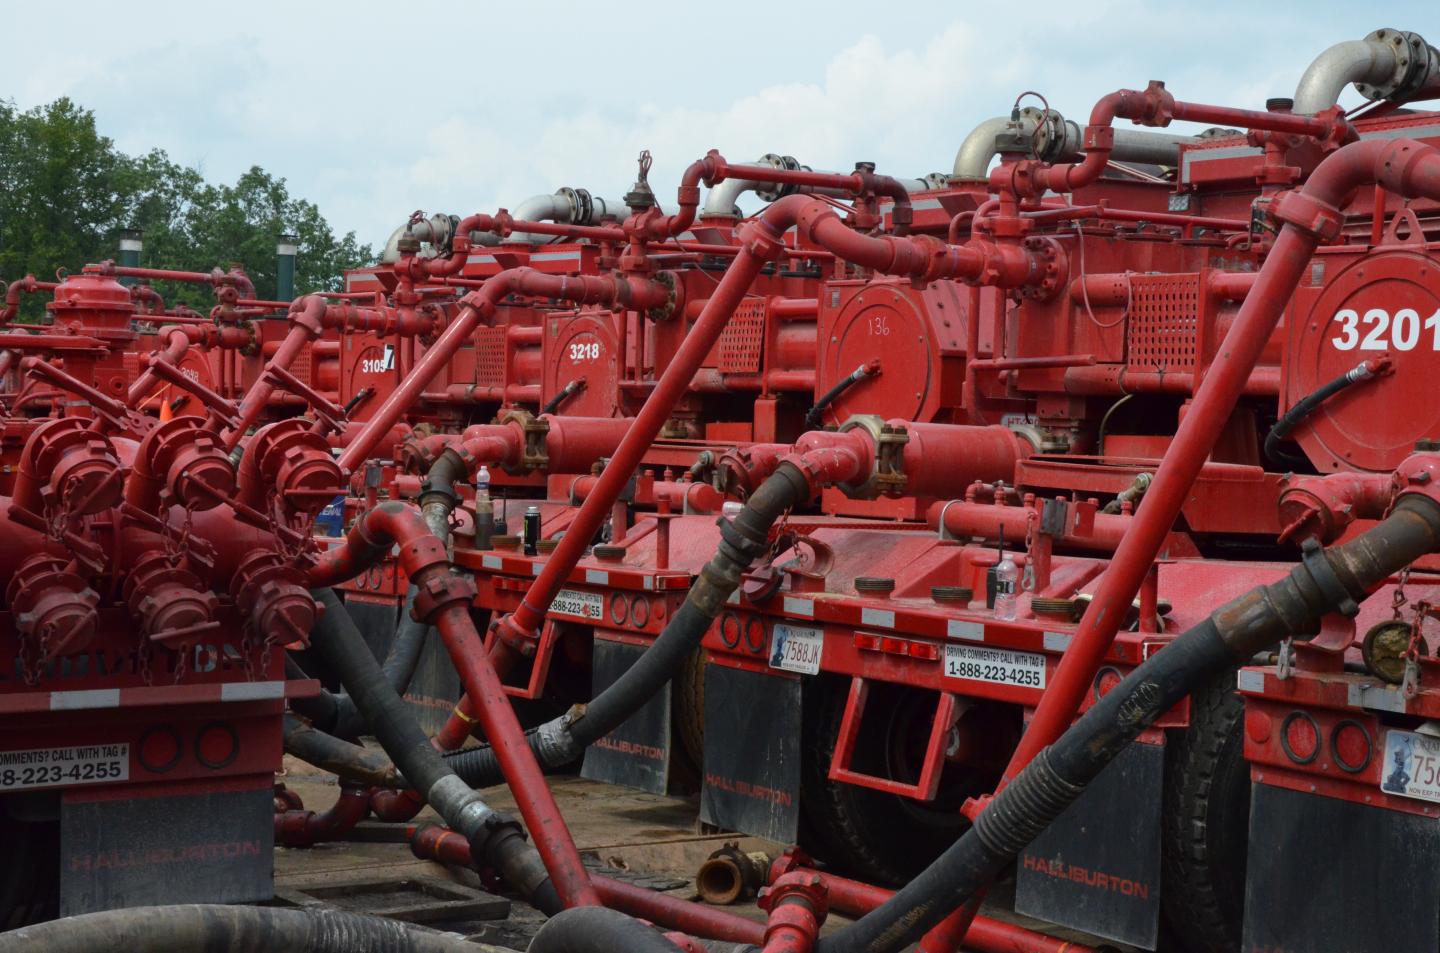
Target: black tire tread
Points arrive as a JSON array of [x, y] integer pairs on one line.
[[1199, 861]]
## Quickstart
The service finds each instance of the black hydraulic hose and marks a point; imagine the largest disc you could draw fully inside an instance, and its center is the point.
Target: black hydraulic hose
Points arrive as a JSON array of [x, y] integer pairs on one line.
[[1306, 406], [341, 758], [814, 418], [207, 928], [334, 712], [553, 404], [742, 541], [597, 930], [1325, 581], [496, 840]]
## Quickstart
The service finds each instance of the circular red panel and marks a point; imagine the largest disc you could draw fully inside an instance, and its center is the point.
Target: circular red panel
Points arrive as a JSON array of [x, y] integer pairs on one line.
[[1257, 726], [1350, 744], [1385, 305], [159, 749], [639, 611], [1300, 737], [217, 745], [879, 322], [583, 347]]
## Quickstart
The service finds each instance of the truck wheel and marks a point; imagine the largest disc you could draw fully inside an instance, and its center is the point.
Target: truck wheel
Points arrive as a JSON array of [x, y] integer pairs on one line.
[[687, 701], [1206, 822], [29, 878], [874, 835]]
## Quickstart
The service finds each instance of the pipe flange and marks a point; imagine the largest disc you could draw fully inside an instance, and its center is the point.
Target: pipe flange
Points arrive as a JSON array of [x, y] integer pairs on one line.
[[1312, 557], [887, 478], [536, 433], [1412, 65], [440, 591], [1053, 269], [671, 306], [774, 191]]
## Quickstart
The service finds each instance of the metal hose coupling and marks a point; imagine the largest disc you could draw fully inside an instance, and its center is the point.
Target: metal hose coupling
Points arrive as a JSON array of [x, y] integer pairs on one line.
[[1021, 811]]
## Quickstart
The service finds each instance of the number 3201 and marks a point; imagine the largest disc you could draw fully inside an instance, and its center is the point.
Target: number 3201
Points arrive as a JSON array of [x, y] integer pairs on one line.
[[1378, 330]]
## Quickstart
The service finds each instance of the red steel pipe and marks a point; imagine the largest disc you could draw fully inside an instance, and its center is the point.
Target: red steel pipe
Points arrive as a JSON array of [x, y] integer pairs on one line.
[[639, 293], [433, 842], [301, 828], [1404, 166], [921, 257], [27, 285], [986, 935], [423, 557]]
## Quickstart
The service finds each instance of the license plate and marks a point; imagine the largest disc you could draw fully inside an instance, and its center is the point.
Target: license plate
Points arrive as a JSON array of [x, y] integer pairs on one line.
[[582, 605], [797, 649], [1412, 765], [997, 666], [57, 767]]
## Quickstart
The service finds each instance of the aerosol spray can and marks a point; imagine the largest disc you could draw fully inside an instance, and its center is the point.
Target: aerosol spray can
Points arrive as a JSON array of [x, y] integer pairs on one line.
[[532, 530]]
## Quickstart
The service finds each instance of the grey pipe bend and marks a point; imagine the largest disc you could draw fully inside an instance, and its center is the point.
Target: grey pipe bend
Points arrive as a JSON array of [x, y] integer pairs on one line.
[[1387, 64]]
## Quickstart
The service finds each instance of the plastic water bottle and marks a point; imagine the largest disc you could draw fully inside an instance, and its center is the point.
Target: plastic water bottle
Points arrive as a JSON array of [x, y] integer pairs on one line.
[[484, 509], [1007, 585]]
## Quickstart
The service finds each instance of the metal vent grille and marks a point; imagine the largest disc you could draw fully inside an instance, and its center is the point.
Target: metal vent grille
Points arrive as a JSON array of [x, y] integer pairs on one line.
[[490, 357], [301, 367], [743, 340], [1162, 329]]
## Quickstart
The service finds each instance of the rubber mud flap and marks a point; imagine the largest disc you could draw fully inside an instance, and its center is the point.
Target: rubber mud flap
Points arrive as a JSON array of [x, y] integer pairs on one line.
[[1097, 868], [435, 690], [752, 757], [215, 847], [637, 753], [1327, 875], [376, 618]]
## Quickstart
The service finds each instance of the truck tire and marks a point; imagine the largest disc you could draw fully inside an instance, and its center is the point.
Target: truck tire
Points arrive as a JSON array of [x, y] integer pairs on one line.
[[1206, 822], [29, 878], [869, 834]]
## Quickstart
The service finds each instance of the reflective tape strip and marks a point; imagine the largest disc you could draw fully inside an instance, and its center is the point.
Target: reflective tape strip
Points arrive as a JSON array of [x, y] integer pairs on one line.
[[803, 607], [93, 698], [251, 691], [881, 617], [597, 577], [1057, 641], [490, 562], [969, 631]]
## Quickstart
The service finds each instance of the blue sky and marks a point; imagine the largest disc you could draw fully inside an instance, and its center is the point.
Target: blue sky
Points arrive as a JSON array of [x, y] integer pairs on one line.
[[373, 110]]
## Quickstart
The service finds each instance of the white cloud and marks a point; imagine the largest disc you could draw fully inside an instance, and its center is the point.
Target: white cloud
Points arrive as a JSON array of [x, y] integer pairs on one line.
[[372, 111]]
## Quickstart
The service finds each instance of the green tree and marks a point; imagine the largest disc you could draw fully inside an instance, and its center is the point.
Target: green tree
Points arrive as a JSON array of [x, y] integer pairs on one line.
[[66, 192], [59, 190]]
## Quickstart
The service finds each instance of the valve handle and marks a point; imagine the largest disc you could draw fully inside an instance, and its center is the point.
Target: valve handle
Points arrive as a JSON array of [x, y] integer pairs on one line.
[[222, 411], [106, 407], [330, 416]]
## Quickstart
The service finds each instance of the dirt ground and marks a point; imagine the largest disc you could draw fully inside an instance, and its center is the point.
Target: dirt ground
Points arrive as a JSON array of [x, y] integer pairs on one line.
[[651, 840]]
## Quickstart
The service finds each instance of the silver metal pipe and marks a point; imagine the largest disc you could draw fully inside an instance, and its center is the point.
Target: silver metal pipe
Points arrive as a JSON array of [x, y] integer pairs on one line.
[[565, 206], [1058, 139], [1388, 64], [721, 201]]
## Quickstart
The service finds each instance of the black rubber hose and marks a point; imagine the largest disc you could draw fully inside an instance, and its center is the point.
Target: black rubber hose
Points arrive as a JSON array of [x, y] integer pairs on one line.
[[348, 761], [496, 840], [814, 417], [207, 928], [1325, 581], [334, 712], [742, 541], [1303, 408], [553, 404], [598, 930]]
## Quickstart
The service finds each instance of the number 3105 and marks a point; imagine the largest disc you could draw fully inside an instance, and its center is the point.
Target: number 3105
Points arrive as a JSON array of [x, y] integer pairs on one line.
[[1378, 330]]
